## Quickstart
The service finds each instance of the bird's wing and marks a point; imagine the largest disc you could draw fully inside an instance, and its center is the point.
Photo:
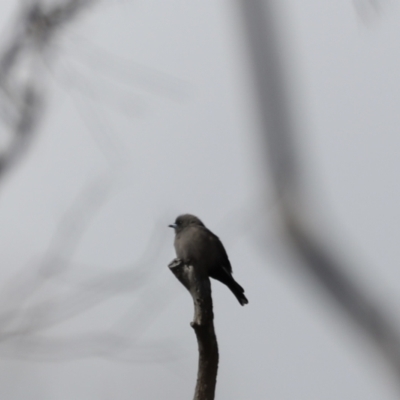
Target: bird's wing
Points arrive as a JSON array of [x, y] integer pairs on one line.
[[223, 259]]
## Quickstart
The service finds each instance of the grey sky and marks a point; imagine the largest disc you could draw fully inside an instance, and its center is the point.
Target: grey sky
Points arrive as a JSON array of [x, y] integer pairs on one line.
[[150, 113]]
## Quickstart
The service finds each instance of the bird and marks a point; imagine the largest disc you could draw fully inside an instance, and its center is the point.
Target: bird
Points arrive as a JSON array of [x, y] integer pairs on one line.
[[197, 246]]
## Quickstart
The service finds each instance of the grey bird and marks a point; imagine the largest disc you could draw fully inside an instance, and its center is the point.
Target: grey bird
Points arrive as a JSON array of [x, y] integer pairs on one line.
[[198, 246]]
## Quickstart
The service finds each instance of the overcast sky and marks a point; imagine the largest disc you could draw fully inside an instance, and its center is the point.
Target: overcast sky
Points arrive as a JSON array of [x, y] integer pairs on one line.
[[149, 113]]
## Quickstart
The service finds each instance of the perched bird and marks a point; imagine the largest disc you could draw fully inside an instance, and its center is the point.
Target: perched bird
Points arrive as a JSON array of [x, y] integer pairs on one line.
[[198, 246]]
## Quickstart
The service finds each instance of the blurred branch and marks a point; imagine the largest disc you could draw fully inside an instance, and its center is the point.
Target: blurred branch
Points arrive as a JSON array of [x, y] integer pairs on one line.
[[21, 92], [278, 127], [199, 287], [30, 308], [367, 10], [46, 294]]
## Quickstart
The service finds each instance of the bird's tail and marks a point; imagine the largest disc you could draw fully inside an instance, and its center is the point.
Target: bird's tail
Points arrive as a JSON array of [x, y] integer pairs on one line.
[[238, 291], [225, 277]]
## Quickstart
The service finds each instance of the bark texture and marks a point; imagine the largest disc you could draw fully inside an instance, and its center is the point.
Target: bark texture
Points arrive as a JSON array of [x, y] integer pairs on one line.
[[199, 286]]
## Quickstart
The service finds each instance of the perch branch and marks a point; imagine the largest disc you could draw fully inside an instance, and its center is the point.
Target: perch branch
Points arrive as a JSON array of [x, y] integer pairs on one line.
[[199, 287]]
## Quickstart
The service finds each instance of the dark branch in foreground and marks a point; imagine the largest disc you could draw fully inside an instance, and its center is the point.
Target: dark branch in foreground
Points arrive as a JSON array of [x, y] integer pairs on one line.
[[22, 97], [199, 287], [278, 127]]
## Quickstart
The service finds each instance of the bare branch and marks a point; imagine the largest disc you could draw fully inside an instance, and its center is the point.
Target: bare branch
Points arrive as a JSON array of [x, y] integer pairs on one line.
[[199, 287], [21, 100], [279, 130]]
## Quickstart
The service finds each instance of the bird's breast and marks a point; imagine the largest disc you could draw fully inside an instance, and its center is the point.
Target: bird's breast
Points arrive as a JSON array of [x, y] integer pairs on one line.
[[193, 245]]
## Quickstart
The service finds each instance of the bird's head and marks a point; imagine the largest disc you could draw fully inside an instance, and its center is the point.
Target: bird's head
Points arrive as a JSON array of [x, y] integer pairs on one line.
[[185, 220]]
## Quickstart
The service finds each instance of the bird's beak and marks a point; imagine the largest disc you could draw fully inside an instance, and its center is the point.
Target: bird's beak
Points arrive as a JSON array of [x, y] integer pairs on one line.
[[173, 226]]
